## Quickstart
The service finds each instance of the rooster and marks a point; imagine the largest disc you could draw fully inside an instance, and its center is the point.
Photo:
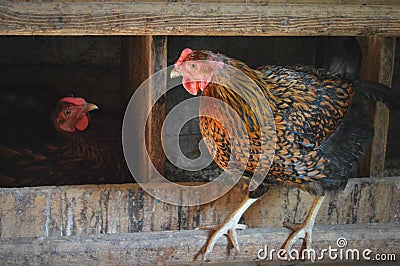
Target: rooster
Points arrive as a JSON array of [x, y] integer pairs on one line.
[[82, 151], [317, 139]]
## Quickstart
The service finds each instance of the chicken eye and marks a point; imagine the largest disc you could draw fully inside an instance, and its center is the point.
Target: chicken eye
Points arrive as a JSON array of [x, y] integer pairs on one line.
[[192, 65], [68, 112]]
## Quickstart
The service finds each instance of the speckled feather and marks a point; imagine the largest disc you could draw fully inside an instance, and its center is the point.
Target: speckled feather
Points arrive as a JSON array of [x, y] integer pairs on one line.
[[308, 107]]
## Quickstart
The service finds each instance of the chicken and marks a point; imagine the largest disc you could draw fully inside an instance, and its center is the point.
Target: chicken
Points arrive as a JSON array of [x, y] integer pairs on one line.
[[82, 151], [316, 139]]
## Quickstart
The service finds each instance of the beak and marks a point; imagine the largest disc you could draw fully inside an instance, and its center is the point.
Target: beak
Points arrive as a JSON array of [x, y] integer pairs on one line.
[[174, 74], [90, 107]]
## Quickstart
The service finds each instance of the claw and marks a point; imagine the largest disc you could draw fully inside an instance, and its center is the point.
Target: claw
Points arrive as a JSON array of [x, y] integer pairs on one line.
[[224, 229], [228, 228], [291, 226], [206, 227], [232, 236], [300, 233], [304, 230]]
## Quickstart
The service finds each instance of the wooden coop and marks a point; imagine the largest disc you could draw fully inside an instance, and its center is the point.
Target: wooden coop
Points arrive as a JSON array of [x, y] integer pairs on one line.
[[104, 50]]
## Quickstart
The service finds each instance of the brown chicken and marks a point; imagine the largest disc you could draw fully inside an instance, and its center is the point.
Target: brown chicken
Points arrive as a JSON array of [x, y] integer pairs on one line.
[[83, 151], [316, 138]]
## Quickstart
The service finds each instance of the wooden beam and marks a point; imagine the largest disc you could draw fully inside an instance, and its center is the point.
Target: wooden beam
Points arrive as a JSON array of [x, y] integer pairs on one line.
[[168, 18], [180, 247], [112, 209], [141, 57], [377, 66]]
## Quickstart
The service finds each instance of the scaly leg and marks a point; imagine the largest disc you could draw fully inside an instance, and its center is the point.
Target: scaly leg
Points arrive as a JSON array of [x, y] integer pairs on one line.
[[228, 228], [304, 230]]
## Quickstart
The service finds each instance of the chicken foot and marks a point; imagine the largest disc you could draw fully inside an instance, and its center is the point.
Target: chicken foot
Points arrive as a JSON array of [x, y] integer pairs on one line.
[[228, 227], [303, 230]]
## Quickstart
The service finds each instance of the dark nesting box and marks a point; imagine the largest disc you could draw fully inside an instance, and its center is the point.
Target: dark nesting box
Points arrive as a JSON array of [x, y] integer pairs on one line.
[[84, 66], [36, 73]]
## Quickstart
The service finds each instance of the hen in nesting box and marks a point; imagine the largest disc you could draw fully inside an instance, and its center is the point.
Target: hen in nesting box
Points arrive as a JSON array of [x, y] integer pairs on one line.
[[80, 149]]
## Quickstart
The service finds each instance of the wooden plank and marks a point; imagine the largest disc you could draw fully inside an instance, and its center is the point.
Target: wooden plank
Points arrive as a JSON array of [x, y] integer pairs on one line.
[[166, 18], [113, 209], [377, 66], [270, 2], [275, 2], [180, 247], [141, 57]]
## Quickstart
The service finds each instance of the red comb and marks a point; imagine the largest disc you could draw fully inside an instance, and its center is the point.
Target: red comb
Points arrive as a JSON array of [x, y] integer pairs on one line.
[[73, 100], [185, 53]]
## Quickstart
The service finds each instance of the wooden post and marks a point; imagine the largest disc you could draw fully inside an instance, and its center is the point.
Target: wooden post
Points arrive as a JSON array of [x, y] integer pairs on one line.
[[142, 56], [377, 66]]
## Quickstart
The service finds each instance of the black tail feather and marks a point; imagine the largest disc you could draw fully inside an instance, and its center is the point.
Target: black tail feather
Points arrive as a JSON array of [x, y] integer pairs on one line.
[[379, 92], [346, 63]]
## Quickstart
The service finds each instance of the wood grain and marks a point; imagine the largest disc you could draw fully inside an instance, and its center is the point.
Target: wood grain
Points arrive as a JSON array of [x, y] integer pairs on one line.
[[180, 247], [377, 66], [141, 57], [113, 209], [166, 18]]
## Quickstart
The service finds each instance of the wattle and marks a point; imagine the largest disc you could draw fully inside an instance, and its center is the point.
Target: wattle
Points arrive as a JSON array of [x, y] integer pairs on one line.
[[193, 87], [83, 123]]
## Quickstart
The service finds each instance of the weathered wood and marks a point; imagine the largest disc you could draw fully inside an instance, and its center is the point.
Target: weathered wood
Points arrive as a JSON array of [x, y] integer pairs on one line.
[[141, 57], [166, 18], [377, 66], [111, 209], [180, 247]]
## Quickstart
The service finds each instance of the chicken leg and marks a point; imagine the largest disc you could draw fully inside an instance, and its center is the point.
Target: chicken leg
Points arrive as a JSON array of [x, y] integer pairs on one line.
[[304, 230], [228, 227]]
